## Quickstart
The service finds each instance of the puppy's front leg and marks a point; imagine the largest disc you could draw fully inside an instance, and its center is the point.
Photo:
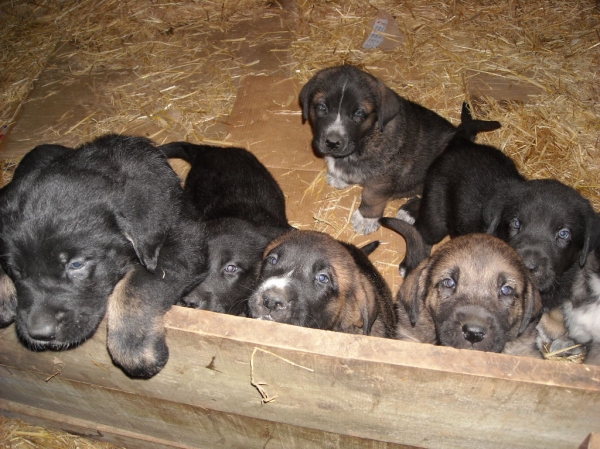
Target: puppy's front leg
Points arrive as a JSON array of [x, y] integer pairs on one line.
[[553, 337], [8, 300], [366, 218], [136, 334]]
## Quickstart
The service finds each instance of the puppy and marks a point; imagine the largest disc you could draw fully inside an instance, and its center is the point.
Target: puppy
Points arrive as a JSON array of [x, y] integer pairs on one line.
[[474, 292], [97, 230], [476, 188], [577, 320], [310, 279], [244, 209], [371, 136]]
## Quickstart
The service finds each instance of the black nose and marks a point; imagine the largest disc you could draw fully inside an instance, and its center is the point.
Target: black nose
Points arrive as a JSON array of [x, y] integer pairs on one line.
[[195, 300], [532, 266], [43, 332], [272, 300], [473, 333], [332, 144]]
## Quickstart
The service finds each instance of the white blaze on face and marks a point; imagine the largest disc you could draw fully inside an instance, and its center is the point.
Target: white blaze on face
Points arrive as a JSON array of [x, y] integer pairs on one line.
[[279, 282], [337, 125]]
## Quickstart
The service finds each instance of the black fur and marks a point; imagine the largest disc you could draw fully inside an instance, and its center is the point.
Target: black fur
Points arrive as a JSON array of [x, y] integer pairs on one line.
[[244, 208], [73, 224]]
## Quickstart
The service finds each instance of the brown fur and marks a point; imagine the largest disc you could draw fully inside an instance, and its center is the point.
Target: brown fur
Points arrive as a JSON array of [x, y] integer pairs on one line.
[[473, 293], [310, 279]]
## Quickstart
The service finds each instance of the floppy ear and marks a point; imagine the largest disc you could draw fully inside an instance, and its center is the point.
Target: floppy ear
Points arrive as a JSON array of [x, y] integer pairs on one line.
[[492, 213], [8, 300], [388, 104], [306, 94], [592, 238], [413, 290], [532, 306], [146, 242]]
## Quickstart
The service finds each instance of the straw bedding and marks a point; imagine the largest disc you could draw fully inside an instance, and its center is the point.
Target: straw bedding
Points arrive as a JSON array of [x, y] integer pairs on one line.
[[550, 48]]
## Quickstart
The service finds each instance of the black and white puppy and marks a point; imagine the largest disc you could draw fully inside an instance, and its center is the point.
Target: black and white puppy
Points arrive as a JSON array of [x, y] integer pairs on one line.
[[310, 279], [369, 135], [94, 231], [477, 188], [244, 209]]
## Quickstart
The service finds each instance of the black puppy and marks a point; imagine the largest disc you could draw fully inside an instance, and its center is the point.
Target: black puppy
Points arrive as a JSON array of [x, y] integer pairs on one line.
[[476, 188], [244, 209], [97, 230], [371, 136]]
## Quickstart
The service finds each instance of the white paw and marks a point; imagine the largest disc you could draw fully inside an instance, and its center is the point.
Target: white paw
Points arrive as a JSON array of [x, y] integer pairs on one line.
[[403, 272], [364, 225], [336, 182], [405, 216]]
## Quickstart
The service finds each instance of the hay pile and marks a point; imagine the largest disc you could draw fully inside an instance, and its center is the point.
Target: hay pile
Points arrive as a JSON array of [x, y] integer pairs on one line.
[[186, 57]]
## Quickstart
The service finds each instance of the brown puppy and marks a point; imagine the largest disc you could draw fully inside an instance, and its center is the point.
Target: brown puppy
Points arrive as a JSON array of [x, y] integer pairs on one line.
[[310, 279], [474, 292], [371, 136]]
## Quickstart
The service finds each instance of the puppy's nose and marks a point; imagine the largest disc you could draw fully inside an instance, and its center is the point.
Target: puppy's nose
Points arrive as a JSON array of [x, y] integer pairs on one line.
[[43, 332], [332, 143], [272, 300], [532, 265], [473, 333]]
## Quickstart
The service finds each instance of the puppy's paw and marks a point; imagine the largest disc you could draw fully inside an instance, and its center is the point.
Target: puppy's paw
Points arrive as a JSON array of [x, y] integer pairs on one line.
[[405, 216], [336, 182], [562, 348], [364, 225], [8, 300], [136, 337], [138, 352]]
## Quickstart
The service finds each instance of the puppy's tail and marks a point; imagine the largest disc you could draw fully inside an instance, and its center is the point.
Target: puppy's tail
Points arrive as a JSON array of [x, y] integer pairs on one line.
[[181, 150], [416, 248], [469, 127], [370, 247]]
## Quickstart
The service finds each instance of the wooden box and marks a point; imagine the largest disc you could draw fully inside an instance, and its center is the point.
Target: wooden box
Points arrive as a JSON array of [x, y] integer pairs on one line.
[[234, 382]]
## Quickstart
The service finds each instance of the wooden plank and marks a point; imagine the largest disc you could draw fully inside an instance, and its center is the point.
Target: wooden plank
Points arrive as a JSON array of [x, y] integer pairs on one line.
[[362, 388]]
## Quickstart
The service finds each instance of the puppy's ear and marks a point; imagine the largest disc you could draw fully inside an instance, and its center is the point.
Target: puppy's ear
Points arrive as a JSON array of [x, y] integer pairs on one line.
[[146, 243], [306, 94], [532, 306], [8, 300], [413, 291], [388, 104], [592, 238], [492, 213]]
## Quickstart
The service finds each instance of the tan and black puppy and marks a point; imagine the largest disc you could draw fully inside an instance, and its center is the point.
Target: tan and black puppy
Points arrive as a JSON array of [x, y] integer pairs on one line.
[[310, 279], [474, 292], [93, 231], [371, 136]]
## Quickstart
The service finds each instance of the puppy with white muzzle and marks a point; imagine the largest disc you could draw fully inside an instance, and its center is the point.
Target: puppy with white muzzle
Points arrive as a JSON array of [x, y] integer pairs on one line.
[[310, 279], [369, 135]]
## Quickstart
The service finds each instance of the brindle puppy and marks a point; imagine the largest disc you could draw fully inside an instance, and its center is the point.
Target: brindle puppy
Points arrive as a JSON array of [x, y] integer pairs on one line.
[[371, 136], [474, 292], [310, 279]]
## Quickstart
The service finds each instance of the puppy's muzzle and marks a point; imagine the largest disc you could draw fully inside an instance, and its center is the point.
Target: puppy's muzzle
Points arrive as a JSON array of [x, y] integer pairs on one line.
[[539, 266]]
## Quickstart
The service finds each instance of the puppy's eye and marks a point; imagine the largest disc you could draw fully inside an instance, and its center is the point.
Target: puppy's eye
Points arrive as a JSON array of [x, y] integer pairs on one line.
[[231, 268], [360, 113], [515, 224], [564, 234], [321, 108], [507, 290], [76, 265], [272, 259], [322, 278], [449, 283]]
